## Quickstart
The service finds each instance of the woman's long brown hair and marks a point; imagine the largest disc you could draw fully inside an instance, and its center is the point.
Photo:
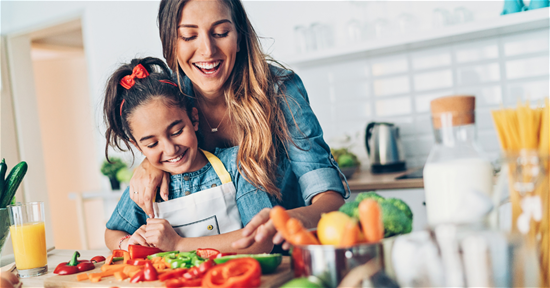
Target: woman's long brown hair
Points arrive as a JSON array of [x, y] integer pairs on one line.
[[251, 94]]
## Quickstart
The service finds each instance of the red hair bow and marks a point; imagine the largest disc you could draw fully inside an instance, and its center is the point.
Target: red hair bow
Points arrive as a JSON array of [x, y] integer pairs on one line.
[[138, 72]]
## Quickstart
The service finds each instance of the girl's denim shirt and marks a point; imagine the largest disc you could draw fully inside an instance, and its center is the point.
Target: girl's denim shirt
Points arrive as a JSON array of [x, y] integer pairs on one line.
[[128, 216]]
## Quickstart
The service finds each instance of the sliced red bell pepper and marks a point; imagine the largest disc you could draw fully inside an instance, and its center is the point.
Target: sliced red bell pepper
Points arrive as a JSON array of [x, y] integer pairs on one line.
[[223, 254], [173, 283], [149, 272], [138, 251], [138, 277], [207, 253], [138, 262], [191, 283], [97, 259], [73, 266], [176, 273], [205, 266], [241, 272]]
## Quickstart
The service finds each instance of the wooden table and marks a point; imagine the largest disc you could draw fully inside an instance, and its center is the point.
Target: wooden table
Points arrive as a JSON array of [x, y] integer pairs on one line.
[[282, 275], [363, 181]]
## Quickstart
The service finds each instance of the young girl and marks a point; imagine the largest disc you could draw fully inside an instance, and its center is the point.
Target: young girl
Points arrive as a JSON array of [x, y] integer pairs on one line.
[[209, 201]]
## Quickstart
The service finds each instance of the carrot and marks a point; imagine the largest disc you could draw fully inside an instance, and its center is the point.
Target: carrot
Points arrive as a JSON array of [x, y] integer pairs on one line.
[[280, 217], [109, 272], [370, 216], [130, 268], [350, 236], [82, 277], [160, 266], [120, 275], [95, 279], [298, 234], [106, 267]]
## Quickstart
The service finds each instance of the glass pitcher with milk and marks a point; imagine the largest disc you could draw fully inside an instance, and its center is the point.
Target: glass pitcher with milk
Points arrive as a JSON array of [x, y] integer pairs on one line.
[[458, 177]]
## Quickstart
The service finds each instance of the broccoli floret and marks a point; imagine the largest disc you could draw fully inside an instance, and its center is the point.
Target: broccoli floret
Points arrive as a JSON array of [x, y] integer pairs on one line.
[[402, 206], [395, 221], [351, 209], [369, 195]]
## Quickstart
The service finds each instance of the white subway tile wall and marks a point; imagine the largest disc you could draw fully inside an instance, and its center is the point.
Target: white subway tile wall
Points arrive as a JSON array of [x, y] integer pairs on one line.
[[398, 88]]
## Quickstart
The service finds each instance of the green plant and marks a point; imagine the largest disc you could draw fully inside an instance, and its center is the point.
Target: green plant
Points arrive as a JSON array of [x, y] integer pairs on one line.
[[345, 158], [110, 169]]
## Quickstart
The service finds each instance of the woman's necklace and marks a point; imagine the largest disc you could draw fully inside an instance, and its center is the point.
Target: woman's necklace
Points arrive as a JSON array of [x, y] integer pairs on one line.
[[214, 130]]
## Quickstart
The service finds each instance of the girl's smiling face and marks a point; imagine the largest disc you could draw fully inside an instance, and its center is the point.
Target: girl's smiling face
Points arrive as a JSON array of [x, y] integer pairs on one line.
[[207, 44], [166, 135]]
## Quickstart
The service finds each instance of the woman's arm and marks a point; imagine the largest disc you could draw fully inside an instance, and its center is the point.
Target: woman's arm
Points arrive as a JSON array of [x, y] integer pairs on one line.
[[160, 233], [145, 181], [260, 228]]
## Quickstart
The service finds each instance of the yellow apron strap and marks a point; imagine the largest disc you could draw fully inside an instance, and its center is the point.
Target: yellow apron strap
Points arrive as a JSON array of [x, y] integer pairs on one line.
[[218, 167]]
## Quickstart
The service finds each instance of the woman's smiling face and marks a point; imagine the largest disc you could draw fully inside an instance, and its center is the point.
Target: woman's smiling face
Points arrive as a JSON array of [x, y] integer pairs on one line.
[[166, 135], [207, 44]]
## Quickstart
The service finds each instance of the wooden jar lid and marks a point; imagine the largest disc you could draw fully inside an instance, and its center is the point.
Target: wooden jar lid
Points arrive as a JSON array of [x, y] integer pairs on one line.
[[455, 110]]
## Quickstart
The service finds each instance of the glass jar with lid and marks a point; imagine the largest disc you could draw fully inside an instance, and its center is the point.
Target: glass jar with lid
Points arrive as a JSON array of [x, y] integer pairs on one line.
[[458, 177]]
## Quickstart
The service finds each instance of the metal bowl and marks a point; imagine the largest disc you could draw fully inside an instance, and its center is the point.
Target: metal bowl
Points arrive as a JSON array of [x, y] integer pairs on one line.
[[331, 264]]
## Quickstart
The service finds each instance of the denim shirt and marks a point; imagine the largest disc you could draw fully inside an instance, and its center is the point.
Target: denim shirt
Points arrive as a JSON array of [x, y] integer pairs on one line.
[[306, 168], [128, 216]]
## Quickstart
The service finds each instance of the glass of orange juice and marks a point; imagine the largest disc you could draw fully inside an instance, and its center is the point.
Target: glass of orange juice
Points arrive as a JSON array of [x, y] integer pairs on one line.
[[28, 236]]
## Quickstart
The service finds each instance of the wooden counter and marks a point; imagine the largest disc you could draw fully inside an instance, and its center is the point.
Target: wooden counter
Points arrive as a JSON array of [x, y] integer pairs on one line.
[[366, 181]]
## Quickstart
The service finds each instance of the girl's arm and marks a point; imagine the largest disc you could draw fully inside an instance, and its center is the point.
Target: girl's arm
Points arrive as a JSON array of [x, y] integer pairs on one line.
[[145, 181], [260, 229], [160, 233], [113, 238]]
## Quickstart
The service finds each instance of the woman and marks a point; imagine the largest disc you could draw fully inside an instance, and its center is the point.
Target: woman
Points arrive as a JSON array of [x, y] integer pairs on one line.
[[245, 101]]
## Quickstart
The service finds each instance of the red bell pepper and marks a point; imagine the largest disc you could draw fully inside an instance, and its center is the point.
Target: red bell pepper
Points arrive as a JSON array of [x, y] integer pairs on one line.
[[173, 274], [97, 259], [138, 251], [138, 277], [138, 262], [149, 272], [241, 272], [207, 253], [223, 254], [73, 266]]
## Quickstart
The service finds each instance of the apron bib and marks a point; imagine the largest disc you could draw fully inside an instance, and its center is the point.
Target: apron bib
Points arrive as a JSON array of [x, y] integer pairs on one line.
[[209, 212]]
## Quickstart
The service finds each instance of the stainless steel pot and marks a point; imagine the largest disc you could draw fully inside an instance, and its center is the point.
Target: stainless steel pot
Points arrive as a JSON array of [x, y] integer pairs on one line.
[[331, 264]]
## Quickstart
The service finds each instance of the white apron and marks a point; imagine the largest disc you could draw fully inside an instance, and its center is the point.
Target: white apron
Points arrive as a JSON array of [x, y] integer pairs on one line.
[[209, 212]]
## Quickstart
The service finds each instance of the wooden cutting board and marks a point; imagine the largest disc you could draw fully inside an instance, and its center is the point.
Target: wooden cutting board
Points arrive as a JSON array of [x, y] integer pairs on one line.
[[281, 276]]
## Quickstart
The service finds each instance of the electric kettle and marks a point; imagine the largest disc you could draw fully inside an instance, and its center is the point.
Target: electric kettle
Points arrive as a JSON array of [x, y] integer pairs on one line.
[[384, 148]]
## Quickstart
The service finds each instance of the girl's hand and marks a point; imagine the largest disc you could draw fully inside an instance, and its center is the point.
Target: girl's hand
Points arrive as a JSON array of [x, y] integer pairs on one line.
[[260, 229], [144, 183], [160, 234], [138, 238]]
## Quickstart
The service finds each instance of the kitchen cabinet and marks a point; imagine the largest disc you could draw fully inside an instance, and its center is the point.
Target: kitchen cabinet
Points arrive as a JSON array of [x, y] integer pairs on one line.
[[506, 24]]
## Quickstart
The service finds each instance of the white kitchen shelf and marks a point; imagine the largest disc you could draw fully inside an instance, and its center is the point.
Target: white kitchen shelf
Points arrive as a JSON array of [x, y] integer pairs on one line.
[[506, 24]]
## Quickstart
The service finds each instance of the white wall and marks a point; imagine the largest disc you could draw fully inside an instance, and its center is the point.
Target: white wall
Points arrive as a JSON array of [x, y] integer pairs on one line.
[[113, 32]]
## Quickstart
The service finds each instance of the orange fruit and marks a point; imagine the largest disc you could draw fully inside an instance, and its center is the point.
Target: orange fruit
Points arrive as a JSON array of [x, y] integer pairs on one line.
[[331, 227]]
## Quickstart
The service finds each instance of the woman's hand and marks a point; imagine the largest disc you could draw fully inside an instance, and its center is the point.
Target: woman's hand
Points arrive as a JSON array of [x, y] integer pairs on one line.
[[160, 234], [260, 229], [144, 184]]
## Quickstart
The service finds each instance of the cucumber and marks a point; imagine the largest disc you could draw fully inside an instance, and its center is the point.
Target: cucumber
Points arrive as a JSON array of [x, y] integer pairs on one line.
[[12, 183], [3, 168]]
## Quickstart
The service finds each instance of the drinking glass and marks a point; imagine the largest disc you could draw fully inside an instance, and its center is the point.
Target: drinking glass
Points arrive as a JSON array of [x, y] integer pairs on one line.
[[28, 236]]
